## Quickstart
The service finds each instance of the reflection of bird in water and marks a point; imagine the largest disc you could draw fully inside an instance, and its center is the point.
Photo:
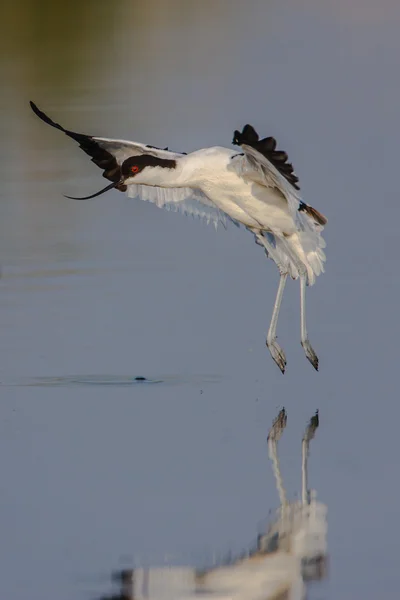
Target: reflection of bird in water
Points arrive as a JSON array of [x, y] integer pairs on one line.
[[278, 425], [256, 188], [291, 550], [125, 581], [312, 427], [299, 527]]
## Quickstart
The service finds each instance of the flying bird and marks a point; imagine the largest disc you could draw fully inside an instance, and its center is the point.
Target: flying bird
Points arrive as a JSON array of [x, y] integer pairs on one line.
[[256, 188]]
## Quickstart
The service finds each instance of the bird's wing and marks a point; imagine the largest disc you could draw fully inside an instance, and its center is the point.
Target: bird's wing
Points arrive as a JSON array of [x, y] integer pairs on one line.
[[184, 200], [265, 165], [109, 154], [123, 149]]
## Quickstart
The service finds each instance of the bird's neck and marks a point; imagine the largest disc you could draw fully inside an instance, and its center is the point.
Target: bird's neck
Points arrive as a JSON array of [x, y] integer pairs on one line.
[[182, 175]]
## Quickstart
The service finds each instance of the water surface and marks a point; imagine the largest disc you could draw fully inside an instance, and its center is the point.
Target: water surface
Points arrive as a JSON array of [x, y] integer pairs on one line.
[[97, 470]]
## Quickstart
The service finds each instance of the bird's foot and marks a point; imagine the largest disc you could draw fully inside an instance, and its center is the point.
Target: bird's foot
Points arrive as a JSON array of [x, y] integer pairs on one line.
[[277, 354], [312, 357]]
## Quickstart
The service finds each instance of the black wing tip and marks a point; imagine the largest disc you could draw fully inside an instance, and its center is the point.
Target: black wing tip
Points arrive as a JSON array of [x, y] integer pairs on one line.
[[267, 147], [101, 157], [35, 109], [39, 113], [248, 136]]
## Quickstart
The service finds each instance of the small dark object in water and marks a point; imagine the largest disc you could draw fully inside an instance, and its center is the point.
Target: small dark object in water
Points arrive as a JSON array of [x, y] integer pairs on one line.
[[140, 379]]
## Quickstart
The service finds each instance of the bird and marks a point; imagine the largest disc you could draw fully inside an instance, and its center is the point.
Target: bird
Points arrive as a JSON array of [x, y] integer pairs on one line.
[[255, 188]]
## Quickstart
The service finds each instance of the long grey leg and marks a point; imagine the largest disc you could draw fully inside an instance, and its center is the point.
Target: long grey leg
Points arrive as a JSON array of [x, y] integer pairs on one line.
[[276, 351], [305, 342]]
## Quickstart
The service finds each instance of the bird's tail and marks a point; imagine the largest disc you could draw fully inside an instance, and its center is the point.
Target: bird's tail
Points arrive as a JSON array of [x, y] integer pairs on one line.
[[308, 248], [312, 245]]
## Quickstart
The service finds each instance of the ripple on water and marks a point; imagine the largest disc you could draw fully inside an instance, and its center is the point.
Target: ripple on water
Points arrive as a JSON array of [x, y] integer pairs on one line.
[[110, 380]]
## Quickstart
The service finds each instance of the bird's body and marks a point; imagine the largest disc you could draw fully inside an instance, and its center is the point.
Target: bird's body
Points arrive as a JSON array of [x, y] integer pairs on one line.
[[256, 188], [243, 200], [215, 172]]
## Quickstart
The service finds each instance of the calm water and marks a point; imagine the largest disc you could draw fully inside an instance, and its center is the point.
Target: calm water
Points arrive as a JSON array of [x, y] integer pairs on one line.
[[99, 471]]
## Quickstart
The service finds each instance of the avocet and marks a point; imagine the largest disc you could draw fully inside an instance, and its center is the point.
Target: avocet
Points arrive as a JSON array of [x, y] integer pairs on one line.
[[256, 188]]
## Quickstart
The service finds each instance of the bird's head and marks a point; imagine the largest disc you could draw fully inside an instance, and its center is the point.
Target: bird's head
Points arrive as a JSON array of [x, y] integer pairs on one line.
[[144, 169]]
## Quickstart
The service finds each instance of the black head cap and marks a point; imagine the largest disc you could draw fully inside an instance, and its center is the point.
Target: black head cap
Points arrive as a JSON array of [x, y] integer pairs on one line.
[[135, 164]]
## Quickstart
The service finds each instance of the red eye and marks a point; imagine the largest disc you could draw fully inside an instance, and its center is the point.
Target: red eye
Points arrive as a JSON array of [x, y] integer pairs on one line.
[[135, 169]]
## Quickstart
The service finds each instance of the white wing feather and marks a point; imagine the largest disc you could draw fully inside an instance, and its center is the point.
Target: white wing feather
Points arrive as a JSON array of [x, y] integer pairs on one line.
[[184, 200], [253, 165]]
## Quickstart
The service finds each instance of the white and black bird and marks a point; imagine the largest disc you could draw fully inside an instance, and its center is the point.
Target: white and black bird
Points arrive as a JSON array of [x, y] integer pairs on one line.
[[256, 188]]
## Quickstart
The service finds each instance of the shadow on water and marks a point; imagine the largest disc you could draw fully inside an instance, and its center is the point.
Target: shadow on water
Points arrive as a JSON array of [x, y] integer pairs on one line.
[[290, 552]]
